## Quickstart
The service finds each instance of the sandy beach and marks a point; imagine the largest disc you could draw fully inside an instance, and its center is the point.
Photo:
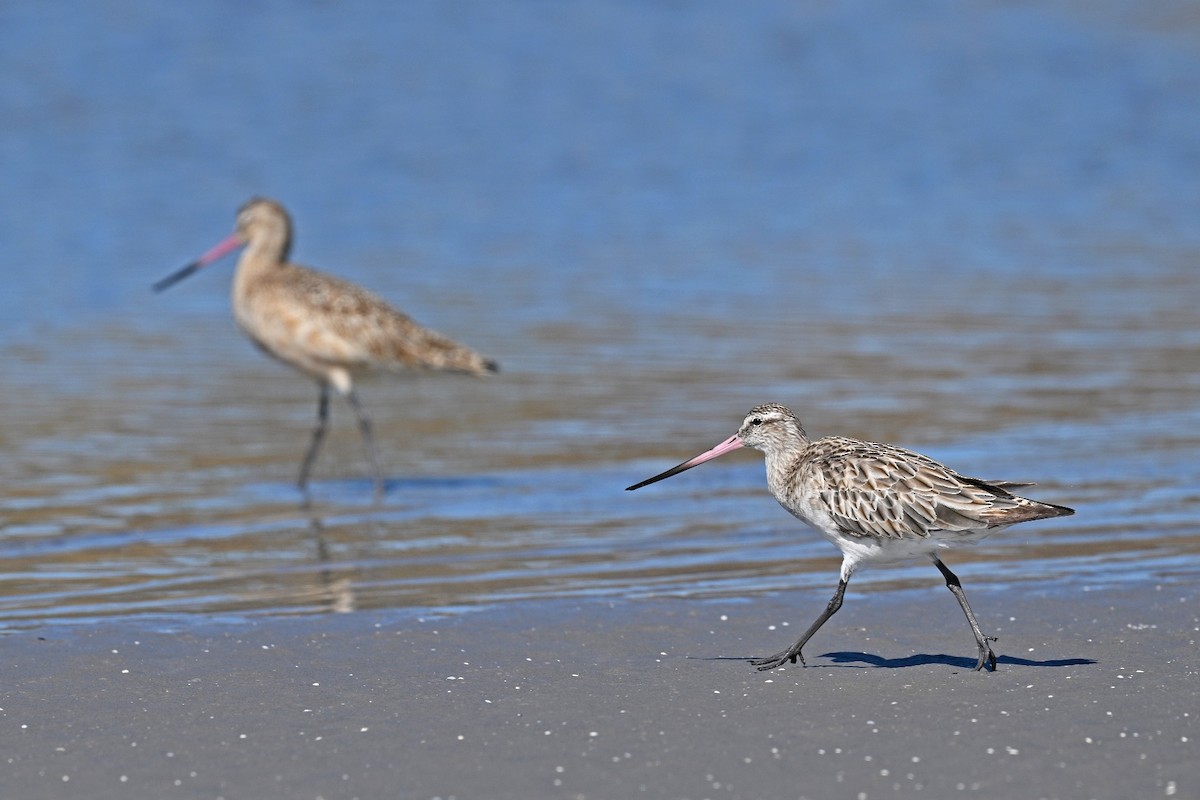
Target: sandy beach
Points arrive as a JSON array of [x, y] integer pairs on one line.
[[1095, 697]]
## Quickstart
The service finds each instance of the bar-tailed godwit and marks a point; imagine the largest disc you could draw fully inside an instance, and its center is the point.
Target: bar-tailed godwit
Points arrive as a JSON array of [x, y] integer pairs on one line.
[[326, 327], [876, 503]]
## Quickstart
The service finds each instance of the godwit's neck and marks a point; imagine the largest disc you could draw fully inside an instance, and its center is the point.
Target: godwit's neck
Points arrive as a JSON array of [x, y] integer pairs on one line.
[[254, 264], [268, 244], [260, 254], [781, 450]]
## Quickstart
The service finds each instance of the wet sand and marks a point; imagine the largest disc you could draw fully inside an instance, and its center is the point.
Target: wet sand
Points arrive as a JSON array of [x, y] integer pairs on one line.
[[1096, 696]]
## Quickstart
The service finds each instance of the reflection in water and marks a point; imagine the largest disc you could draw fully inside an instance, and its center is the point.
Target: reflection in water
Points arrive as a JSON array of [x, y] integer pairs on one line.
[[337, 592]]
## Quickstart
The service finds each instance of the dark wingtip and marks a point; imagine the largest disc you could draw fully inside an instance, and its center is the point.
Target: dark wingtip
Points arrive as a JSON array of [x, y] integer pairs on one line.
[[1040, 510], [491, 366]]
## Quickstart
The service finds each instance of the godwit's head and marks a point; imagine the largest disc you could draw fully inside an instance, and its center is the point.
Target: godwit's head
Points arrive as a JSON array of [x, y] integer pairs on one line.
[[265, 225], [772, 427]]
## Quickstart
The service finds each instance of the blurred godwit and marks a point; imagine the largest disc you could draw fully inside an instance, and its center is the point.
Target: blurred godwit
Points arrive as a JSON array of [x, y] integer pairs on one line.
[[326, 327], [876, 503]]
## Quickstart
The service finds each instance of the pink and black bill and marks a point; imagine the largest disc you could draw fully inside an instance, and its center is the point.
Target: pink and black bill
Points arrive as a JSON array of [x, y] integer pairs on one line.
[[729, 445], [226, 246]]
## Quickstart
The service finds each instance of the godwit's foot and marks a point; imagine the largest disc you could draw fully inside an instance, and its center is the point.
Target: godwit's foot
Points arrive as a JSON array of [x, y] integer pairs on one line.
[[793, 652], [779, 659], [986, 656]]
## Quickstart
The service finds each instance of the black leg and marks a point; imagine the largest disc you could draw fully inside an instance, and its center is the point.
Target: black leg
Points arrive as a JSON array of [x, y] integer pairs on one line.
[[318, 435], [986, 656], [793, 652], [364, 425]]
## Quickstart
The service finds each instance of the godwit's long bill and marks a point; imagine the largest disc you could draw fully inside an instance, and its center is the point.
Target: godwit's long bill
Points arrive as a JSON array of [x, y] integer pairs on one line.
[[325, 327], [876, 503]]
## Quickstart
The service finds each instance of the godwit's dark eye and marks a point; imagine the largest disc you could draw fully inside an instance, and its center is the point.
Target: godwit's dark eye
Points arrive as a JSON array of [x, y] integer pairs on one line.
[[756, 421]]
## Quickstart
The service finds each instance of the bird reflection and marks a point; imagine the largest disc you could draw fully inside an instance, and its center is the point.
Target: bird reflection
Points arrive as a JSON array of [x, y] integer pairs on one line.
[[335, 594]]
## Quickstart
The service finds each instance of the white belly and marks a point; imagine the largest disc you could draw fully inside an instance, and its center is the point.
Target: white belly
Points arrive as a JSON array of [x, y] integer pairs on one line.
[[858, 551]]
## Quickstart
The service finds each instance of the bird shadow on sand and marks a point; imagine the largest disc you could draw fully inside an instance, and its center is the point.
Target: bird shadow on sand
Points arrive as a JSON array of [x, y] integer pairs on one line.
[[851, 658], [854, 660]]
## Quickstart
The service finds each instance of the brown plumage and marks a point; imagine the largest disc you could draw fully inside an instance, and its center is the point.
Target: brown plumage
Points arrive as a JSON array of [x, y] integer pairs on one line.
[[879, 490], [326, 327], [875, 502]]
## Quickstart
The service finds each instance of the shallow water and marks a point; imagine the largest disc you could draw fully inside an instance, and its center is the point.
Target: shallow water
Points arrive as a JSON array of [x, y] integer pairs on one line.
[[968, 229]]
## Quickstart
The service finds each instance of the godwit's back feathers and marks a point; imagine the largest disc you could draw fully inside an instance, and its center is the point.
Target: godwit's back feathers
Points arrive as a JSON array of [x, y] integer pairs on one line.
[[872, 489], [337, 323]]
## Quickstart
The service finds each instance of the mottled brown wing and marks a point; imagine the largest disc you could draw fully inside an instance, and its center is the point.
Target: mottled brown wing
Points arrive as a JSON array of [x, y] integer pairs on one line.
[[879, 490], [349, 324]]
